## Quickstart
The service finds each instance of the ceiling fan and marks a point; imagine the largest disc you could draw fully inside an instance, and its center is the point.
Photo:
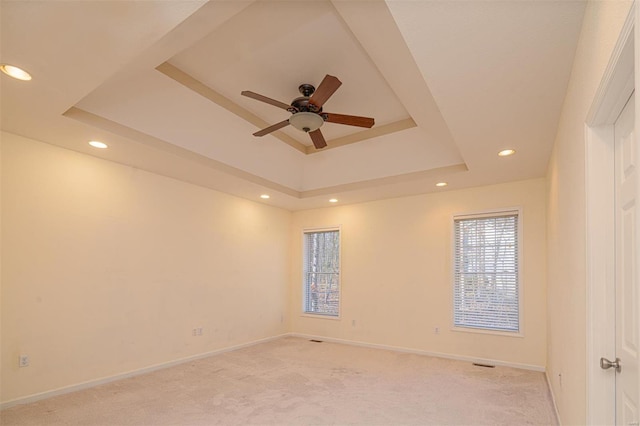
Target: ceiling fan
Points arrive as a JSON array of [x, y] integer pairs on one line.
[[306, 111]]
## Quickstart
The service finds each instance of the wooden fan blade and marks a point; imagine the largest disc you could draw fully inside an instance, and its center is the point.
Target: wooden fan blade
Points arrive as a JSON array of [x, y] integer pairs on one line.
[[350, 120], [327, 88], [273, 128], [262, 98], [318, 139]]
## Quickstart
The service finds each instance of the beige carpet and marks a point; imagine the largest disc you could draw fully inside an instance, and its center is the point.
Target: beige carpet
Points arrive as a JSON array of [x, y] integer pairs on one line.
[[293, 381]]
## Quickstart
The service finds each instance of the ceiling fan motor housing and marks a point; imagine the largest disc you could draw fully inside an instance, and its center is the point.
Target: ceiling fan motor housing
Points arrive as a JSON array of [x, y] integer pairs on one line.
[[302, 104]]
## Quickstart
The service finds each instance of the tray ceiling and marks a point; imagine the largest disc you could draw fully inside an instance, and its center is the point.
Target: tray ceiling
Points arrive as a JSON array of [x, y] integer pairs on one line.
[[448, 83]]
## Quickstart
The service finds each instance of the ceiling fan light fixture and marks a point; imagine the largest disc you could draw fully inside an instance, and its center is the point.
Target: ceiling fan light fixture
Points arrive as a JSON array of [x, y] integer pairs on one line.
[[306, 121]]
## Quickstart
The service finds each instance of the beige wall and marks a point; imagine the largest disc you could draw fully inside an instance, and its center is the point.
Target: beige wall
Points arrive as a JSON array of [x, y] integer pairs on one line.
[[566, 213], [107, 269], [396, 273]]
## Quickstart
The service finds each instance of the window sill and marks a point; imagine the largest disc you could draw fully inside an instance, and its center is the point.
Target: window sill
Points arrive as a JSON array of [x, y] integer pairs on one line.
[[320, 316], [518, 334]]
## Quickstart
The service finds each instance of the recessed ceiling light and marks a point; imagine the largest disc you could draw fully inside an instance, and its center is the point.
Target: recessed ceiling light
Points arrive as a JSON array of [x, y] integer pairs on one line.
[[506, 152], [441, 184], [98, 144], [15, 72], [265, 196], [333, 200]]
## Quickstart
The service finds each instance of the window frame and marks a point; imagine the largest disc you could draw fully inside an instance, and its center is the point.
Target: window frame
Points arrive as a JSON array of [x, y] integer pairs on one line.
[[489, 213], [304, 313]]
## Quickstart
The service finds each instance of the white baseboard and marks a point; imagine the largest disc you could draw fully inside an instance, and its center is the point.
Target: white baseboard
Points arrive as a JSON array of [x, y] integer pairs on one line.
[[553, 398], [103, 380], [421, 352]]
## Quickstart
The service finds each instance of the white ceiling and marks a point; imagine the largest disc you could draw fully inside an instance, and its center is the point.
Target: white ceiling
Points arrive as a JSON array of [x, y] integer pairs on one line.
[[449, 83]]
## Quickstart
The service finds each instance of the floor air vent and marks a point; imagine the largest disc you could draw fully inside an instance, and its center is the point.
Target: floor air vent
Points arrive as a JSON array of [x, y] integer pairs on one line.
[[315, 341], [484, 365]]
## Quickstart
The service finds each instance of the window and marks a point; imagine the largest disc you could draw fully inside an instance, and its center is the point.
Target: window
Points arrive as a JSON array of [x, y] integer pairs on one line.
[[322, 272], [486, 282]]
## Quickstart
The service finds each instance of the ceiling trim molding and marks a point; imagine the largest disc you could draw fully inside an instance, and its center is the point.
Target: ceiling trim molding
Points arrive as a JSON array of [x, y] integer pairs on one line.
[[436, 174], [387, 48], [374, 132], [202, 89], [135, 135]]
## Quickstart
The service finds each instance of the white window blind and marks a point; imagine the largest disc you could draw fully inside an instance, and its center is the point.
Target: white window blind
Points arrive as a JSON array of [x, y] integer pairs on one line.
[[486, 283], [322, 272]]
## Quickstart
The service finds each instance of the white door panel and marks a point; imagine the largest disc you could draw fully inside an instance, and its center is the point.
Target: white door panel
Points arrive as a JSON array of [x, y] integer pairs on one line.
[[627, 329]]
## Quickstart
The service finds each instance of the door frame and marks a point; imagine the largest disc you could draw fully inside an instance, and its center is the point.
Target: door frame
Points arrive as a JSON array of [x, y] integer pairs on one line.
[[617, 84]]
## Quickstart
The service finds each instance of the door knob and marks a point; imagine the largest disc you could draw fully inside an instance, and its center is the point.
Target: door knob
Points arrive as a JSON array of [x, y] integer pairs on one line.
[[605, 364]]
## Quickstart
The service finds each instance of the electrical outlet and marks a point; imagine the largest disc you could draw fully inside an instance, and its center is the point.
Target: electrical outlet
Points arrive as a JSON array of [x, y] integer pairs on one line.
[[23, 361], [436, 330], [196, 331], [353, 323]]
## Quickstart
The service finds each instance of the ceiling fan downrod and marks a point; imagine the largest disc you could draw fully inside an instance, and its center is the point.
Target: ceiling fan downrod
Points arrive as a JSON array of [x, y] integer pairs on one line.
[[306, 89]]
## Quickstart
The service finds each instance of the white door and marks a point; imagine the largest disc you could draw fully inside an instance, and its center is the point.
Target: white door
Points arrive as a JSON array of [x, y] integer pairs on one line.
[[627, 326]]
